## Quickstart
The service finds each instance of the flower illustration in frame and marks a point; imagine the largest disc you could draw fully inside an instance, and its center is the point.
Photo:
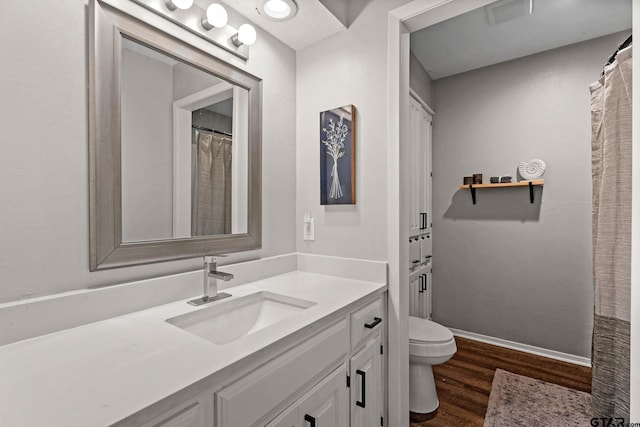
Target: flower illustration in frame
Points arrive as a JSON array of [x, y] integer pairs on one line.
[[337, 156]]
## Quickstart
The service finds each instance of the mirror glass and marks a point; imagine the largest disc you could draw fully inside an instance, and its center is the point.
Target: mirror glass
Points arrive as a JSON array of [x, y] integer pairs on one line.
[[184, 149], [175, 147]]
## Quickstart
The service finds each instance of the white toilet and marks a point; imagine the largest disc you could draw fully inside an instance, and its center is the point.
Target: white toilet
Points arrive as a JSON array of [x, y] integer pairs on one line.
[[429, 344]]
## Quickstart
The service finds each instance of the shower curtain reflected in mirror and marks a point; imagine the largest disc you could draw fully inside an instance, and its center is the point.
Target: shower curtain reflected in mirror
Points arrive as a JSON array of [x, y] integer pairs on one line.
[[211, 179], [611, 215]]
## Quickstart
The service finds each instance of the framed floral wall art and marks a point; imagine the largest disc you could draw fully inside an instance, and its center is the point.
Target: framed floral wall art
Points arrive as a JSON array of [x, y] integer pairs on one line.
[[338, 156]]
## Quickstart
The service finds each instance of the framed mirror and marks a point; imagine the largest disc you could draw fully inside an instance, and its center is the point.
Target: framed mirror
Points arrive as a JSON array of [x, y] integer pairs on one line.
[[174, 146]]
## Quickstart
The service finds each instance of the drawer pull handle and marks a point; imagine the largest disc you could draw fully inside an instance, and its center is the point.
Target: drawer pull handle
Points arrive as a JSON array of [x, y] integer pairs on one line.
[[363, 402], [373, 324], [311, 420]]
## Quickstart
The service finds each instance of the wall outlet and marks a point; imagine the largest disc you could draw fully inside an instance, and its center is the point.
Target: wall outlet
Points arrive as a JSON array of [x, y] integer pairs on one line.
[[309, 228]]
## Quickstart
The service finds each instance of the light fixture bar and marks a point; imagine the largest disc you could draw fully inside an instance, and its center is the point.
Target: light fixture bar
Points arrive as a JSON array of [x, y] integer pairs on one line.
[[191, 20]]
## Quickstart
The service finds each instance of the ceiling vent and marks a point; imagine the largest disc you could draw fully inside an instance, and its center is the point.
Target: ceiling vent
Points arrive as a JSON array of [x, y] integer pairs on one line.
[[506, 10]]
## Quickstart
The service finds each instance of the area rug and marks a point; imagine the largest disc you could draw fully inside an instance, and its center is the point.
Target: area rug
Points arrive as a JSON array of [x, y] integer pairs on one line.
[[516, 400]]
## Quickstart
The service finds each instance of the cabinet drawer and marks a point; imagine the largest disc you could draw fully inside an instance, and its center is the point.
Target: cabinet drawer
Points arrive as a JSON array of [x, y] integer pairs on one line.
[[253, 396], [366, 321]]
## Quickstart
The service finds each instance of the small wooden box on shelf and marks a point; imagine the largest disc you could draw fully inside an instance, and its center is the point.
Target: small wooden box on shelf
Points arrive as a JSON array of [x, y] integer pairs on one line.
[[530, 184]]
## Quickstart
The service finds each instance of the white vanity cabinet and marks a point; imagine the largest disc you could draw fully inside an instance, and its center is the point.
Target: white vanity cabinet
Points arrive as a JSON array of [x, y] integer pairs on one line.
[[330, 377], [352, 395]]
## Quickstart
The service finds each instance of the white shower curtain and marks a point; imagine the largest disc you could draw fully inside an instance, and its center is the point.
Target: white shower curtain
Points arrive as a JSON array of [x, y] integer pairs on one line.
[[611, 214], [211, 213]]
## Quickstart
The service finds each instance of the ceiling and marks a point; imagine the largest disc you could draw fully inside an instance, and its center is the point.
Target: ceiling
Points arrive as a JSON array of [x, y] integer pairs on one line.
[[468, 41], [314, 21]]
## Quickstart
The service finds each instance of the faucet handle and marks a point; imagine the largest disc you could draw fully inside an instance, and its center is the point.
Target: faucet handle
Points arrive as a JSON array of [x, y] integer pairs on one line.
[[211, 259]]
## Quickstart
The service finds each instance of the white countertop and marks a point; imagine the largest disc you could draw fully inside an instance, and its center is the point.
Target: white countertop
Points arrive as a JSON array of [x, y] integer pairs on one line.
[[101, 373]]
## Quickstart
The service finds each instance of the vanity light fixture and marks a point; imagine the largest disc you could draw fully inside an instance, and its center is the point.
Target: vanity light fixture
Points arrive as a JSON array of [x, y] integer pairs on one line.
[[179, 4], [246, 35], [215, 17], [209, 23], [277, 10]]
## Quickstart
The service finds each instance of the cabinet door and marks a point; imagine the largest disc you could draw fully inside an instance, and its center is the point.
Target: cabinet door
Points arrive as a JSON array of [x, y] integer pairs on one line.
[[415, 286], [326, 404], [427, 294], [289, 418], [425, 249], [366, 385]]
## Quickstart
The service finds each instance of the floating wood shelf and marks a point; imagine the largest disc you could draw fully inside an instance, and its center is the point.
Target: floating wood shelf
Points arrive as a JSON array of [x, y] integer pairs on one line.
[[530, 184]]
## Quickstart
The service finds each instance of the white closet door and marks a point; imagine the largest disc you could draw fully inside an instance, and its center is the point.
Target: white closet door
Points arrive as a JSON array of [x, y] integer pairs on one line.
[[413, 166], [426, 173], [422, 171]]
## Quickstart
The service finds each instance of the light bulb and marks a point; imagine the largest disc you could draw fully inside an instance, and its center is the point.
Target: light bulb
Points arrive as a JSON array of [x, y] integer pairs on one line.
[[216, 17], [246, 34], [179, 4]]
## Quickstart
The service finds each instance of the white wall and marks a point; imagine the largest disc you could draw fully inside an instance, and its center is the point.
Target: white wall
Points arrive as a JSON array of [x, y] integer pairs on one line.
[[44, 220], [420, 81], [147, 148], [504, 267], [347, 68]]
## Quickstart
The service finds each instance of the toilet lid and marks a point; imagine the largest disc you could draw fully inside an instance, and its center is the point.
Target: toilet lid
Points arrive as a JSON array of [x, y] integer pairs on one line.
[[424, 330]]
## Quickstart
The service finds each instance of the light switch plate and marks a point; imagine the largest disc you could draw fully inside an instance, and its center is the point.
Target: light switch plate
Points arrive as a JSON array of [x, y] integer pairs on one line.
[[309, 229]]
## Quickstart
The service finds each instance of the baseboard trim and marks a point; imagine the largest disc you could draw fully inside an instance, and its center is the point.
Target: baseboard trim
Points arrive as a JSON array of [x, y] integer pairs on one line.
[[538, 351]]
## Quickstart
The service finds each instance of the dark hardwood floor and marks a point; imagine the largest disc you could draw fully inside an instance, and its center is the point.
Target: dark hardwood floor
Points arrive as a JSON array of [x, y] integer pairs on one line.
[[464, 382]]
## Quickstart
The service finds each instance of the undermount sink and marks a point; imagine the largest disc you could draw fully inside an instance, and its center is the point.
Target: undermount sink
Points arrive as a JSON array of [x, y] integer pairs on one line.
[[232, 319]]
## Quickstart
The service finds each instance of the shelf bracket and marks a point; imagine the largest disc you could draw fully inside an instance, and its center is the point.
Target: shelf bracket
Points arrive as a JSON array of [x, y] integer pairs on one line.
[[473, 193], [531, 191]]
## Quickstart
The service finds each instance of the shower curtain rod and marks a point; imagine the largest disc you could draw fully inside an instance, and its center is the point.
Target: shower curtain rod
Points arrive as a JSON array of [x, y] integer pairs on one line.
[[211, 130], [621, 46]]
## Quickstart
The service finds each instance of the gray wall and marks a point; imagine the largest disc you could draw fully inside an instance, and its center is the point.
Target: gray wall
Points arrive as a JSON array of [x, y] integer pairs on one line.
[[420, 81], [44, 178], [504, 267]]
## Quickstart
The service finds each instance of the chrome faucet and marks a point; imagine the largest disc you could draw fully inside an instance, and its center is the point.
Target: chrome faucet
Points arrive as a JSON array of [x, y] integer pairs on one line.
[[210, 282]]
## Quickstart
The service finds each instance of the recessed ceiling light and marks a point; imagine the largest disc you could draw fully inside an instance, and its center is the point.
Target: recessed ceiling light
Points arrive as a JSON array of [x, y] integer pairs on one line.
[[277, 10]]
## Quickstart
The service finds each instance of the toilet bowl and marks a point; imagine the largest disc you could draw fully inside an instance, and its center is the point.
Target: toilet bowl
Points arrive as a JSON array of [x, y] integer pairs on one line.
[[429, 344]]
